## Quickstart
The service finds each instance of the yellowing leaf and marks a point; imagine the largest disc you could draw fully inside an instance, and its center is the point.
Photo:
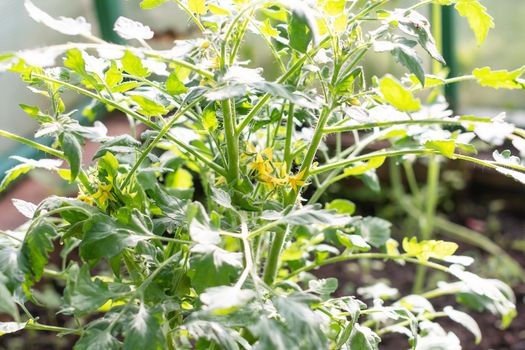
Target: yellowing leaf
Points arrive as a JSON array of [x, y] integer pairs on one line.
[[500, 78], [217, 10], [149, 107], [478, 18], [267, 29], [373, 163], [391, 247], [182, 179], [209, 119], [333, 7], [340, 24], [425, 250], [197, 6], [445, 147], [399, 97]]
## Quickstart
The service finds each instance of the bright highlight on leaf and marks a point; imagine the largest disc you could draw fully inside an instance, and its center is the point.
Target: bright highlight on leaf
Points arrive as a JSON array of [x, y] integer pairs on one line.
[[425, 250], [198, 6], [478, 18], [500, 79], [399, 97]]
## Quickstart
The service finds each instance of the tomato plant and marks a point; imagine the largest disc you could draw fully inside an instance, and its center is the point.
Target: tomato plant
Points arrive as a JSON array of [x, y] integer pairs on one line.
[[203, 228]]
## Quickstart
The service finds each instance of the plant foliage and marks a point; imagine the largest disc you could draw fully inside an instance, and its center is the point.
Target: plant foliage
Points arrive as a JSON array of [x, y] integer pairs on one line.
[[204, 230]]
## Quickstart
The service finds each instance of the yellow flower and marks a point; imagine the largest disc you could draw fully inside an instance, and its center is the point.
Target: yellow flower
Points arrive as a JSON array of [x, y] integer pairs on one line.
[[103, 194], [262, 162], [297, 181], [84, 198]]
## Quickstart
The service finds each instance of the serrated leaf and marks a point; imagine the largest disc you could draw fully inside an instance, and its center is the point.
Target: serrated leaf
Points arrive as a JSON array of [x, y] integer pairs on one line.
[[145, 331], [299, 30], [84, 294], [445, 147], [211, 266], [7, 305], [209, 119], [399, 97], [324, 286], [478, 18], [174, 85], [64, 25], [113, 76], [104, 237], [375, 231], [149, 107], [425, 250], [129, 29], [223, 300], [500, 79], [25, 166], [27, 209], [34, 253], [133, 65], [150, 4], [363, 338], [72, 152], [97, 339]]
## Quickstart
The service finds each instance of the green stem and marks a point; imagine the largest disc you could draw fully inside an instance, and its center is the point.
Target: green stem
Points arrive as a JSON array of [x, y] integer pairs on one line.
[[289, 135], [342, 258], [42, 327], [430, 212], [232, 141], [272, 263], [33, 144]]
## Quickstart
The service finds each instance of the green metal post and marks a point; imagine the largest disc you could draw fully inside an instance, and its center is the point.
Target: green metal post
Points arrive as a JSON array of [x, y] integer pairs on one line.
[[449, 54], [107, 13]]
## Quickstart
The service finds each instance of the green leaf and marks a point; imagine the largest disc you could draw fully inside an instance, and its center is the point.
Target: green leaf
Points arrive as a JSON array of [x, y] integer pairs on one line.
[[224, 338], [72, 152], [113, 76], [133, 65], [105, 238], [150, 4], [211, 266], [97, 339], [341, 206], [299, 31], [8, 304], [84, 294], [27, 165], [324, 286], [478, 18], [403, 52], [75, 61], [445, 147], [197, 6], [34, 253], [375, 231], [399, 97], [303, 323], [11, 327], [363, 338], [174, 85], [352, 241], [149, 107], [308, 215], [500, 79], [145, 331]]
